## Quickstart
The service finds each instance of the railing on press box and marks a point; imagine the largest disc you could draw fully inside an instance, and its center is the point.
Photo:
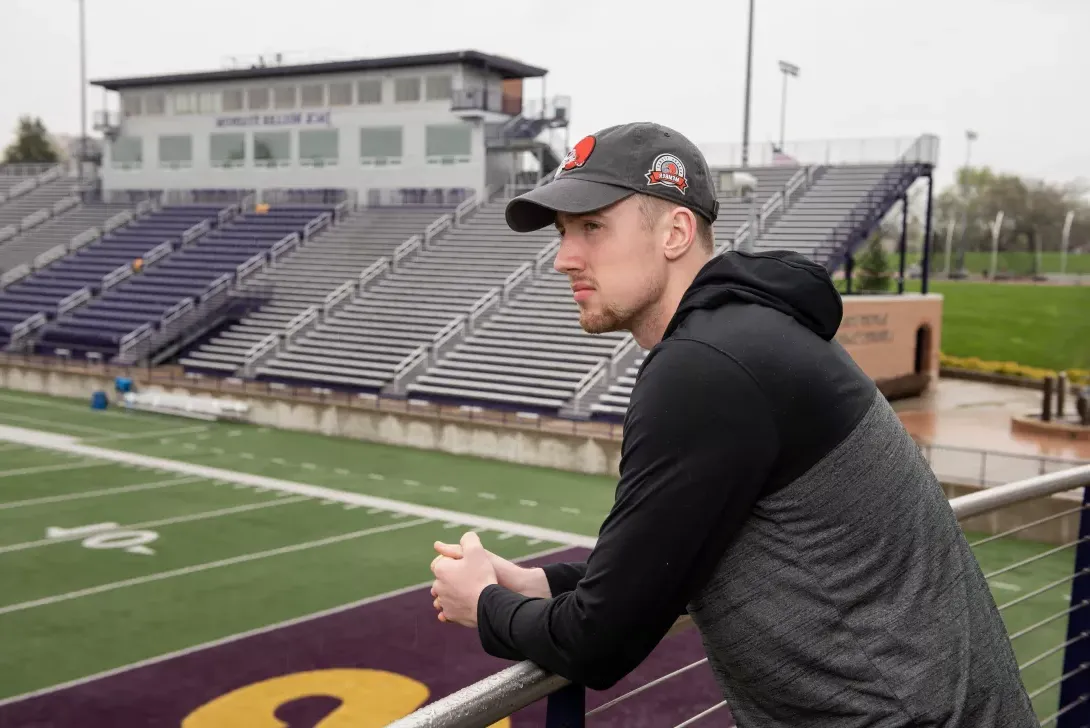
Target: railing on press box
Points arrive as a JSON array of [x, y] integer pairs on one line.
[[1053, 657]]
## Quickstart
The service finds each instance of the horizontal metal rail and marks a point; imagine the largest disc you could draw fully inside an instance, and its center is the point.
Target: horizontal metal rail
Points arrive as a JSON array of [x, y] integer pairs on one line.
[[508, 691]]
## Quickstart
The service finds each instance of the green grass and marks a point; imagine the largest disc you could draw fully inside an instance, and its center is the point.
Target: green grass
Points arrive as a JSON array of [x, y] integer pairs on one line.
[[1021, 262], [47, 630], [1035, 325], [1041, 326]]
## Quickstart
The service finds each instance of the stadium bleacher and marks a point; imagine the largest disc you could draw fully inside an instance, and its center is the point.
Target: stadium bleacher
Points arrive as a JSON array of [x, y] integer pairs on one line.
[[90, 267], [13, 211], [806, 225], [185, 275], [424, 304], [532, 354], [59, 230], [309, 274]]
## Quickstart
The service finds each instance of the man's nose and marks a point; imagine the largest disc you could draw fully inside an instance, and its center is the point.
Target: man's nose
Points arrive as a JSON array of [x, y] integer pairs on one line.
[[567, 260]]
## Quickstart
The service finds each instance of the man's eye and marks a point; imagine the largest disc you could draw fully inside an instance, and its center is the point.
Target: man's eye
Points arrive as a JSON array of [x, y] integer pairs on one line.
[[590, 226]]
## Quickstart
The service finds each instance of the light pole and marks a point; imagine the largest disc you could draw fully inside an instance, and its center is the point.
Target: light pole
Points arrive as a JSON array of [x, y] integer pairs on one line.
[[970, 137], [788, 69], [82, 146], [749, 83]]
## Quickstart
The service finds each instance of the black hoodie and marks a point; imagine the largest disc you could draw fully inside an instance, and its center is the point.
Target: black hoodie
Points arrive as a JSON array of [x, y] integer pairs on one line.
[[709, 429], [770, 491]]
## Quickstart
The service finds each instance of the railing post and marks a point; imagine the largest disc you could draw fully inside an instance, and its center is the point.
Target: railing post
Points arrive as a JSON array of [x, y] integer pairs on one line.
[[567, 708], [1075, 689]]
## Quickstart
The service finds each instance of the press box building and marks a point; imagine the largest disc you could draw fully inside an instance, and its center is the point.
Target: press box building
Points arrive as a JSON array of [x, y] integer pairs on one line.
[[380, 128]]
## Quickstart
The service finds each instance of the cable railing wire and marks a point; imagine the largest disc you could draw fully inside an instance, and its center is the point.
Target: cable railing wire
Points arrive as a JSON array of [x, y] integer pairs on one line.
[[503, 694]]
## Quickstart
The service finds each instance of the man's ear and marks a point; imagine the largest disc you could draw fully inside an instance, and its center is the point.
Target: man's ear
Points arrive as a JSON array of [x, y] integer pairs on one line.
[[681, 233]]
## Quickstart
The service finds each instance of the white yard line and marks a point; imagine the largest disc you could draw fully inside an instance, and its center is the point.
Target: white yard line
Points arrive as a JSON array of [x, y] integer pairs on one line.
[[68, 406], [247, 634], [45, 439], [45, 601], [204, 515], [98, 493], [51, 468], [50, 423], [153, 433]]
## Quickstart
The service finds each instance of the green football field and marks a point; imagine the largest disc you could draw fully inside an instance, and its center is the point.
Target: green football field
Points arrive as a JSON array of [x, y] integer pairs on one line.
[[115, 549]]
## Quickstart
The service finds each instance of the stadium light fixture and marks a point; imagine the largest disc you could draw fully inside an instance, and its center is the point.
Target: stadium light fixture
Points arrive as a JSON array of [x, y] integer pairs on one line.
[[788, 69]]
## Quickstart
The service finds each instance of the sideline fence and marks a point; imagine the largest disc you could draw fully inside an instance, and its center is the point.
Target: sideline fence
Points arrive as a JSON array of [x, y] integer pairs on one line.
[[1050, 642]]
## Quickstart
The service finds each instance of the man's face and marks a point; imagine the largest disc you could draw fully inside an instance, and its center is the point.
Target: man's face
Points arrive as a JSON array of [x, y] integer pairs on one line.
[[615, 264]]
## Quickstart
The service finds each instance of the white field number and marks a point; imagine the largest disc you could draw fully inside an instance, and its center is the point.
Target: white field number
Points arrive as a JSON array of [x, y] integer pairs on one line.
[[107, 536]]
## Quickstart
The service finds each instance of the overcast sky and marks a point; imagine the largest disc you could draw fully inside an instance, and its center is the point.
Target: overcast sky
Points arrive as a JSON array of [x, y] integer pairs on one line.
[[1013, 70]]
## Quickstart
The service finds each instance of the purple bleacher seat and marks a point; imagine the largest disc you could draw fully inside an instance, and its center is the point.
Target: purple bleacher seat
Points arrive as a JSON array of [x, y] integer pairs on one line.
[[187, 272], [87, 266]]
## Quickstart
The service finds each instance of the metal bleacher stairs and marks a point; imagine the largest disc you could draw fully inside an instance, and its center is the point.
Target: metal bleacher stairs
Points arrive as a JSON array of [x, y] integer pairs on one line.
[[308, 275]]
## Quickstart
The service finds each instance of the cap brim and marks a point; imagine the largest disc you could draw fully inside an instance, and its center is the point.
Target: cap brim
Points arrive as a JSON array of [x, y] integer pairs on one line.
[[537, 208]]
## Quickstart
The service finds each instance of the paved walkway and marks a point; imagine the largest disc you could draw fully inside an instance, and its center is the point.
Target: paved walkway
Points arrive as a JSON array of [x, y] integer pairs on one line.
[[970, 422]]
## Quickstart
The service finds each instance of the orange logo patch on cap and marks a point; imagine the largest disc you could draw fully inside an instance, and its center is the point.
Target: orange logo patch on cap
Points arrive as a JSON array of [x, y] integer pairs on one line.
[[578, 155]]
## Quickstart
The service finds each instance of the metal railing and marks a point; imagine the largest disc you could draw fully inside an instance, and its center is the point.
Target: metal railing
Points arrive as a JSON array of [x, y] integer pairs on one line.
[[437, 227], [448, 336], [815, 151], [588, 385], [259, 353], [406, 369], [986, 468], [517, 280], [1028, 577], [406, 249], [483, 305], [545, 256]]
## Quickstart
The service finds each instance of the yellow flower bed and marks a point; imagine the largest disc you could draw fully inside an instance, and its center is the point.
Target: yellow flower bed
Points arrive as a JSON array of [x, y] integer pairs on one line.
[[972, 363]]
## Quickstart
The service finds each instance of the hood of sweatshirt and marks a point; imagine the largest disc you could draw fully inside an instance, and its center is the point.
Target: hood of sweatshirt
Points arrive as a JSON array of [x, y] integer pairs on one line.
[[783, 280]]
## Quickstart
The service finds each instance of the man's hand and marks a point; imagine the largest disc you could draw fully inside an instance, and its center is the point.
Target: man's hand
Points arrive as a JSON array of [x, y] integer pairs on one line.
[[459, 582]]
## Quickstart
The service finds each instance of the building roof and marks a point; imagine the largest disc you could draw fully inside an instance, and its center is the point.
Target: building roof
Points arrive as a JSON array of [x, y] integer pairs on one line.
[[505, 67]]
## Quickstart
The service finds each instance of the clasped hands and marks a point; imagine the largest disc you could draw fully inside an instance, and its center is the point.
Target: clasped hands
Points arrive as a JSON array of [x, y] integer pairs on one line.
[[463, 570]]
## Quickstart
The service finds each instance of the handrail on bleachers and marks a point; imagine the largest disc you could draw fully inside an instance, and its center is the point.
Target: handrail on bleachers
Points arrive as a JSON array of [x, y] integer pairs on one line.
[[500, 695]]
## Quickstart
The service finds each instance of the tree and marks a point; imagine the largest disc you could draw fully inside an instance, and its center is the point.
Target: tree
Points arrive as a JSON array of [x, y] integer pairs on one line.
[[31, 145], [873, 267], [1034, 211]]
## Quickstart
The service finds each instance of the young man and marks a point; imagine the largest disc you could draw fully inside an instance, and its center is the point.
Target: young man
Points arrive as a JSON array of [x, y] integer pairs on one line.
[[767, 488]]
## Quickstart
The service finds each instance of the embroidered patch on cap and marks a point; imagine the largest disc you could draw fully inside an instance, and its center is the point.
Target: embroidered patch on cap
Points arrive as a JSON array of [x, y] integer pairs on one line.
[[578, 155], [669, 171]]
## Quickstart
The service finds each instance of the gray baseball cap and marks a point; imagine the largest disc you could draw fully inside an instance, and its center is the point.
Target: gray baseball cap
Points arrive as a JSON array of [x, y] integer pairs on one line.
[[614, 163]]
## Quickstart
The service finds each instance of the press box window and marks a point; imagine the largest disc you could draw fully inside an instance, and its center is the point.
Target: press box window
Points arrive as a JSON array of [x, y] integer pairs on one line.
[[438, 88], [272, 148], [155, 104], [407, 89], [127, 153], [369, 91], [227, 150], [257, 99], [175, 152], [318, 148], [340, 94], [284, 97], [232, 100], [132, 105], [447, 143], [380, 146], [312, 95]]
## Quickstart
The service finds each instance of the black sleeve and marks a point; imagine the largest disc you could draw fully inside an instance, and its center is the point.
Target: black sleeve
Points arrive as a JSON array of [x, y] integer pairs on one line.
[[699, 445], [564, 576]]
